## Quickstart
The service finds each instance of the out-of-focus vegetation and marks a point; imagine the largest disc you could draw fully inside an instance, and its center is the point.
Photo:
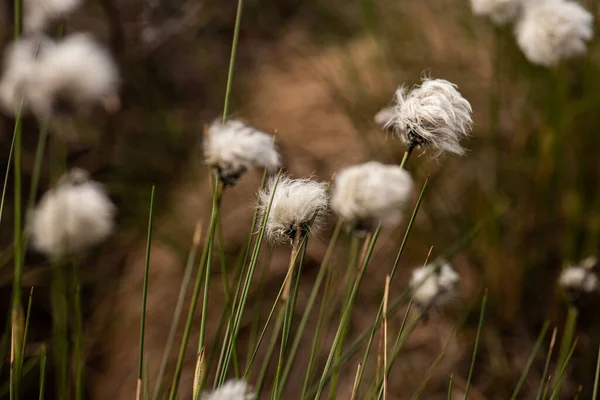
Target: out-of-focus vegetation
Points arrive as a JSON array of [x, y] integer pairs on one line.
[[523, 202]]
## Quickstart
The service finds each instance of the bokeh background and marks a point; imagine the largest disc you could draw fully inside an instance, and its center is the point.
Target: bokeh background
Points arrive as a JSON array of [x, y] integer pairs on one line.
[[522, 203]]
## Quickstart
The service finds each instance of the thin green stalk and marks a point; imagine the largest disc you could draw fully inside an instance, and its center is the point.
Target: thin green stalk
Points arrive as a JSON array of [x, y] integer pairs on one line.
[[146, 390], [450, 388], [234, 45], [567, 338], [228, 343], [187, 274], [266, 362], [392, 273], [145, 295], [596, 377], [60, 346], [310, 304], [78, 335], [10, 154], [547, 365], [27, 318], [479, 330], [42, 371], [37, 166], [562, 371], [536, 348], [407, 154], [18, 17], [347, 313]]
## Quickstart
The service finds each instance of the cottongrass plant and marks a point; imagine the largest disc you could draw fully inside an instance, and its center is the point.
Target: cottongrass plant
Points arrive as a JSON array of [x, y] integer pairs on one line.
[[231, 148], [433, 285], [231, 390], [370, 194], [549, 31], [432, 116], [579, 279]]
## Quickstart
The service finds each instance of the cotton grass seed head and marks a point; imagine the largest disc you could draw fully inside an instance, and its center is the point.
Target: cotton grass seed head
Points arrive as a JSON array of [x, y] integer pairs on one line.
[[578, 279], [499, 11], [433, 285], [552, 30], [370, 194], [20, 58], [72, 217], [433, 115], [77, 74], [233, 148], [38, 14], [295, 202], [231, 390]]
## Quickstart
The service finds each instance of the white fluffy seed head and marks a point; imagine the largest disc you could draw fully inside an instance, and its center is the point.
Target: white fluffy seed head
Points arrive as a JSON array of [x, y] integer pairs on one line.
[[370, 194], [433, 285], [551, 30], [72, 217], [231, 390], [499, 11], [295, 202], [38, 14], [433, 115], [578, 278], [76, 74], [20, 58], [233, 148]]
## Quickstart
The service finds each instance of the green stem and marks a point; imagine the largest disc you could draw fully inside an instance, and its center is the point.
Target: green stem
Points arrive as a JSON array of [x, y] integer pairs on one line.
[[42, 372], [145, 295], [78, 334], [234, 45], [536, 348], [479, 330]]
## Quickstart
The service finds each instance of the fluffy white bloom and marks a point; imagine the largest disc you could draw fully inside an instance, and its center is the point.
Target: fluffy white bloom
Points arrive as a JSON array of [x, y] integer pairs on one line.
[[384, 115], [72, 217], [579, 278], [38, 14], [295, 203], [76, 74], [551, 30], [20, 59], [433, 285], [432, 115], [233, 148], [368, 194], [231, 390], [499, 11]]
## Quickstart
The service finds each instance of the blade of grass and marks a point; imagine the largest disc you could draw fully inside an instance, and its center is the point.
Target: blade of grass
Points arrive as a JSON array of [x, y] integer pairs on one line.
[[266, 362], [477, 338], [145, 295], [547, 365], [78, 335], [596, 377], [567, 338], [27, 318], [8, 164], [199, 373], [42, 371], [234, 45], [536, 348], [561, 373], [450, 388]]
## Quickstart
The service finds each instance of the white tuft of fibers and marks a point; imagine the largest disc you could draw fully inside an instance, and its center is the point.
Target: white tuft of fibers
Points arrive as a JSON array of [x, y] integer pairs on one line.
[[578, 279], [295, 202], [20, 59], [552, 30], [499, 11], [370, 194], [76, 74], [384, 115], [231, 390], [38, 14], [433, 115], [72, 217], [234, 147], [433, 285]]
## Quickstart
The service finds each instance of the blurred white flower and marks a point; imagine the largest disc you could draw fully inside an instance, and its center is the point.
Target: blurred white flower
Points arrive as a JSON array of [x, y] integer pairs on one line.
[[20, 59], [38, 14], [579, 278], [384, 115], [499, 11], [552, 30], [72, 217], [231, 390], [370, 194], [76, 74], [233, 148], [433, 285], [433, 115], [295, 203]]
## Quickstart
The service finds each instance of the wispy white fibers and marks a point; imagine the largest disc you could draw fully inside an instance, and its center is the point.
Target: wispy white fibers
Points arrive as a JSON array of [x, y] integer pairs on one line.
[[231, 390], [551, 30], [433, 115], [72, 217], [77, 74], [20, 58], [579, 278], [369, 194], [433, 285], [233, 147], [295, 203], [38, 14], [499, 11]]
